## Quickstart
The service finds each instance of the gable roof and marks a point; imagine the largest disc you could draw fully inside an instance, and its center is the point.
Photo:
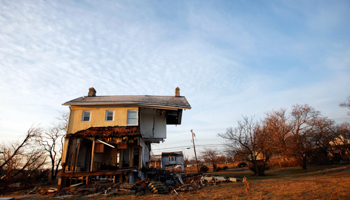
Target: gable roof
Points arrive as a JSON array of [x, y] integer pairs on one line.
[[174, 102], [175, 153]]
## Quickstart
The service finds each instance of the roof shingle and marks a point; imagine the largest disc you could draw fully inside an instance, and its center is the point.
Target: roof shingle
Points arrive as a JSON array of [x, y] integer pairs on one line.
[[130, 100]]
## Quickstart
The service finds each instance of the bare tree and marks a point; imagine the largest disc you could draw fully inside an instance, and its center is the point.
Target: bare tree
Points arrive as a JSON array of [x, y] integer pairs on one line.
[[324, 134], [52, 142], [9, 153], [278, 127], [346, 104], [63, 120], [247, 139], [210, 155], [222, 159], [304, 118], [18, 161]]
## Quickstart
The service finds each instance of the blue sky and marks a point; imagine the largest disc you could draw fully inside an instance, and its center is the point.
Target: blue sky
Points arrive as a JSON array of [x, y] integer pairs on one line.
[[229, 58]]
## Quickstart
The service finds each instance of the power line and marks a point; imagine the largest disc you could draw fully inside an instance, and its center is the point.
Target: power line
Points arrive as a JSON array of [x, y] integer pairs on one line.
[[189, 146]]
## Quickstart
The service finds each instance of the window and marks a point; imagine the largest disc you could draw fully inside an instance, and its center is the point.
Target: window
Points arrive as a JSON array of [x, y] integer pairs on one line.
[[109, 115], [172, 158], [86, 116], [132, 117]]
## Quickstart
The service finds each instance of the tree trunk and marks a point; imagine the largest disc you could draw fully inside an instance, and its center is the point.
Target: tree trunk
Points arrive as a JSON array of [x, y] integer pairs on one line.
[[304, 162]]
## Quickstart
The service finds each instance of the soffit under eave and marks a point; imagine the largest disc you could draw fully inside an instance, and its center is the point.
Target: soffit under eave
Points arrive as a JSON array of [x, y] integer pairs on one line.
[[156, 106]]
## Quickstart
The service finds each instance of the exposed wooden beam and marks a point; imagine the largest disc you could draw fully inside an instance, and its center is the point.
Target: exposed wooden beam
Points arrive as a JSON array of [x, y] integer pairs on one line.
[[106, 143]]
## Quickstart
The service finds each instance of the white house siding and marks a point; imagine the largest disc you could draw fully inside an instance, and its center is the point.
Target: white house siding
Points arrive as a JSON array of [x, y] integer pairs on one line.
[[152, 125]]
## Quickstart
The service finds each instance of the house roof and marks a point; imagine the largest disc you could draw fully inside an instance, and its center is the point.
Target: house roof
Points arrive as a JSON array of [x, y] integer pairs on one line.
[[176, 153], [155, 157], [174, 102]]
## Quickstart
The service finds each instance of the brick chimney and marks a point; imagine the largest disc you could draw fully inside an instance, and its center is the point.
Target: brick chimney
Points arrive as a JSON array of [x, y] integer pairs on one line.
[[177, 92], [92, 92]]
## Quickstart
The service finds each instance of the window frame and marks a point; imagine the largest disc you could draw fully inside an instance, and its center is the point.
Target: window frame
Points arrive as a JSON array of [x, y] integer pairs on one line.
[[86, 111], [137, 118], [107, 116]]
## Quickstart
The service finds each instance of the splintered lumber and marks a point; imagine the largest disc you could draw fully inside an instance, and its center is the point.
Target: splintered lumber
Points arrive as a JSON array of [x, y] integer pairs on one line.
[[92, 195], [208, 178], [233, 179], [219, 178], [126, 186], [158, 188]]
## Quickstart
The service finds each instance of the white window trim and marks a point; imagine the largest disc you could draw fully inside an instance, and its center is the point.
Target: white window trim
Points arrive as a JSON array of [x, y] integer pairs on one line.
[[112, 116], [82, 118], [137, 118]]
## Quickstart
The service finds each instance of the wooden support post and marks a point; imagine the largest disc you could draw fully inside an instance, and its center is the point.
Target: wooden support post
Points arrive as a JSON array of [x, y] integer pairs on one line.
[[92, 155], [87, 180], [114, 179], [77, 149]]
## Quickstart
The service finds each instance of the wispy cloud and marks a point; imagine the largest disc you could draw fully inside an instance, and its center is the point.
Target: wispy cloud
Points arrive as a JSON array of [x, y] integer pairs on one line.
[[229, 58]]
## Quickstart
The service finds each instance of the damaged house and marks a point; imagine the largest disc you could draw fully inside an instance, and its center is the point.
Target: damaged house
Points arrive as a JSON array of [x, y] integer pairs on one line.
[[111, 136], [173, 160]]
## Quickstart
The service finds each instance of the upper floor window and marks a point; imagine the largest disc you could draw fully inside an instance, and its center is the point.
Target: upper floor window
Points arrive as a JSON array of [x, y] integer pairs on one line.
[[109, 115], [86, 116], [172, 158], [132, 117]]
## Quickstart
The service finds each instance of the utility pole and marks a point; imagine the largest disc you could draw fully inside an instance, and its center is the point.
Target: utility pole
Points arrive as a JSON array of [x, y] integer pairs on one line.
[[194, 147]]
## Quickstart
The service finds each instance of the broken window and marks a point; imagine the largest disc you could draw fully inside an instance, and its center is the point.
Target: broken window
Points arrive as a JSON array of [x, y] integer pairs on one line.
[[86, 116], [132, 117], [109, 115]]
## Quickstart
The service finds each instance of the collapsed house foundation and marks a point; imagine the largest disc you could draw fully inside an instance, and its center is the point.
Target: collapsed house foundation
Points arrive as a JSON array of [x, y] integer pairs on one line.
[[110, 153]]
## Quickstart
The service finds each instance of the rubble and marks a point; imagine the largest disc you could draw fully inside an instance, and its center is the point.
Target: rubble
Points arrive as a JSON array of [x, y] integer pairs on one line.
[[158, 188], [159, 182]]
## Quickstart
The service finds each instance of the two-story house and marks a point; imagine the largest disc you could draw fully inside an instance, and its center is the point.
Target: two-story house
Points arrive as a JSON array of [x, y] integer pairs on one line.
[[110, 136], [172, 159]]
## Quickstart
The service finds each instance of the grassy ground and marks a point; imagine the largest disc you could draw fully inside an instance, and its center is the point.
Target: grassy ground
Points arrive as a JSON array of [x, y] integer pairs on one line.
[[317, 182]]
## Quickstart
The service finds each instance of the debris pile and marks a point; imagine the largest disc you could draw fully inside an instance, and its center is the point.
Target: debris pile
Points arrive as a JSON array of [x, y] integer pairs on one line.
[[159, 182], [198, 182], [93, 189], [50, 191], [158, 187]]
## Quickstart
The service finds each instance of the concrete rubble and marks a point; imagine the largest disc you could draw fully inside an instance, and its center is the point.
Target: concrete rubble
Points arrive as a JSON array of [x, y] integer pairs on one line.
[[161, 182]]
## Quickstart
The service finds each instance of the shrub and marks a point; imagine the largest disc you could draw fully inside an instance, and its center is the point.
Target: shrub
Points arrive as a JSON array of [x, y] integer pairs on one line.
[[225, 168], [218, 169], [242, 164], [203, 169], [259, 169]]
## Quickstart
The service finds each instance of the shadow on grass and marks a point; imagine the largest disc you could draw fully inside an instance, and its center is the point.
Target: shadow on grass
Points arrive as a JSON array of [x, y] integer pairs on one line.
[[279, 172]]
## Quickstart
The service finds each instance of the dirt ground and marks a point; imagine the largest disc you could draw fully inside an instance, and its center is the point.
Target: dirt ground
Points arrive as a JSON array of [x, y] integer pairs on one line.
[[319, 182]]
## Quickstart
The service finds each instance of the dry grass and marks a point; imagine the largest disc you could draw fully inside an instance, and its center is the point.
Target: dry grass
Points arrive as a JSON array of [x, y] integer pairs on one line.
[[319, 182], [282, 183]]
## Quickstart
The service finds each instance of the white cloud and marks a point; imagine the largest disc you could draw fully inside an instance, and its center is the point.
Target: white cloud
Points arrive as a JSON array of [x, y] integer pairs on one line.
[[228, 60]]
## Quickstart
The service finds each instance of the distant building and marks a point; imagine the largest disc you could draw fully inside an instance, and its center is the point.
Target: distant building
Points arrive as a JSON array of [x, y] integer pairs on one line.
[[173, 160], [156, 161]]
